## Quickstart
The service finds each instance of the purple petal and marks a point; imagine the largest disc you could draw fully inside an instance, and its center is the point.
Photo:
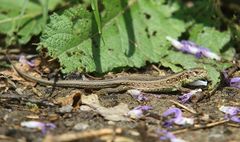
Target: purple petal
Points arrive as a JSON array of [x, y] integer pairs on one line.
[[177, 116], [203, 49], [234, 82], [192, 48], [185, 97], [135, 114], [50, 125], [136, 94], [23, 60], [230, 110], [47, 127], [235, 119], [143, 108], [184, 121], [39, 125], [199, 55], [207, 53], [138, 112], [231, 113], [177, 119], [176, 111], [32, 124], [188, 43], [165, 135], [168, 124], [142, 98]]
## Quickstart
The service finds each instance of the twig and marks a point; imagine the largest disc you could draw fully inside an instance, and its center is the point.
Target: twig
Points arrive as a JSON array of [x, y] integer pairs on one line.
[[196, 127], [74, 136], [156, 68], [233, 125], [184, 107]]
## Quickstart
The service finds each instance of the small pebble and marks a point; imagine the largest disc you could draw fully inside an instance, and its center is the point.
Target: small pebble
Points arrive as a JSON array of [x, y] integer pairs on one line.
[[67, 108], [85, 108], [80, 126]]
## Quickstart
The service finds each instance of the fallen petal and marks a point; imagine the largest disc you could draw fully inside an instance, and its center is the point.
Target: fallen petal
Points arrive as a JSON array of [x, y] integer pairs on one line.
[[38, 125], [234, 82], [136, 94], [209, 54], [186, 97], [184, 121], [235, 119], [32, 124], [192, 48], [177, 117], [176, 111], [23, 60], [165, 135], [138, 112], [175, 42], [144, 108], [135, 114], [230, 110]]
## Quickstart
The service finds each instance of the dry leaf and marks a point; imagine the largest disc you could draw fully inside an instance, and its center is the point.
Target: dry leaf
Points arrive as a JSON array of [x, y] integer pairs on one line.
[[73, 98], [116, 113]]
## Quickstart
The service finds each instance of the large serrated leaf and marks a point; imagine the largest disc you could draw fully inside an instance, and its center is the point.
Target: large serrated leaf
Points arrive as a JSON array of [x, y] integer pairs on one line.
[[21, 19], [133, 33]]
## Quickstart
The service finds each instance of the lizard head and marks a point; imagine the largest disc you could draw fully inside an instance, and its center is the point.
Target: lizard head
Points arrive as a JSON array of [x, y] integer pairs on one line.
[[187, 76], [192, 75]]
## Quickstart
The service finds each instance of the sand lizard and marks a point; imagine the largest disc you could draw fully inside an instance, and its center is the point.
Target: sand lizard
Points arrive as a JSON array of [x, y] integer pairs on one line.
[[168, 83]]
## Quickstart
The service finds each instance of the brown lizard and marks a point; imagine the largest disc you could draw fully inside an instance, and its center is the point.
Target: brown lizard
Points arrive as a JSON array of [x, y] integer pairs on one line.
[[159, 84]]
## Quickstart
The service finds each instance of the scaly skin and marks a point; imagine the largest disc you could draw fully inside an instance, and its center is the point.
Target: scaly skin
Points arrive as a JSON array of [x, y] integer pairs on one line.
[[158, 84]]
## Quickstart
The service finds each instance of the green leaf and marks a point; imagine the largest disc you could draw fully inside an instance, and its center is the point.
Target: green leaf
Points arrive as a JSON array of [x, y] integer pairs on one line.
[[22, 19], [209, 37], [185, 60], [214, 75], [134, 33]]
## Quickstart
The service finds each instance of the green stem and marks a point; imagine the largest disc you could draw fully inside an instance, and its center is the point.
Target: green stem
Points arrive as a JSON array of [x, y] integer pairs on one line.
[[94, 4]]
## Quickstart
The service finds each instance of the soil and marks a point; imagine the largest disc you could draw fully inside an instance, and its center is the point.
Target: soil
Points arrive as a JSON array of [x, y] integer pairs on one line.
[[39, 103]]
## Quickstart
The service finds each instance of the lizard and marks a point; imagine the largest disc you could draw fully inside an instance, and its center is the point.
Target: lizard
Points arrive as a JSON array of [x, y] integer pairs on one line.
[[168, 83]]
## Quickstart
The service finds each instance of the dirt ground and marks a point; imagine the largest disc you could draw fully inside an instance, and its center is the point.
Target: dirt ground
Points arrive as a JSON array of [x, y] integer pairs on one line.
[[76, 121]]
